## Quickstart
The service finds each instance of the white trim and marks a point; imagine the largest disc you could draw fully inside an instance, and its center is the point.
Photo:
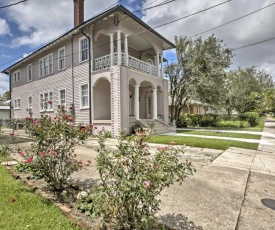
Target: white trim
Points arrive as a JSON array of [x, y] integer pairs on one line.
[[17, 108], [80, 96], [43, 93], [30, 65], [16, 78], [62, 48], [80, 51], [59, 99], [43, 66]]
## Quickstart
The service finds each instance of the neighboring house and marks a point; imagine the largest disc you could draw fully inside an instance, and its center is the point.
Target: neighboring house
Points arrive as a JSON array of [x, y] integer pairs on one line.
[[4, 110], [192, 107], [126, 82]]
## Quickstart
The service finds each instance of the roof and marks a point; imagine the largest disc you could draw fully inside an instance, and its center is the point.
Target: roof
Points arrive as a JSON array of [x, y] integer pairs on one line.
[[90, 22], [4, 105]]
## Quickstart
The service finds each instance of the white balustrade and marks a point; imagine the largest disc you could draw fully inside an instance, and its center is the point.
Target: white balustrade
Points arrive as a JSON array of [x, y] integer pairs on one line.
[[133, 63]]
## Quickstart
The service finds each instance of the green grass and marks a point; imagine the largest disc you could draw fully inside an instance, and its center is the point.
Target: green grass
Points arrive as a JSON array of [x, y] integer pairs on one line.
[[5, 158], [235, 125], [220, 134], [29, 211], [202, 142]]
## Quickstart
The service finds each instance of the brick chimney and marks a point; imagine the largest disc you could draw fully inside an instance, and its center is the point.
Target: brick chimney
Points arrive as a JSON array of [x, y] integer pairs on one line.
[[78, 12]]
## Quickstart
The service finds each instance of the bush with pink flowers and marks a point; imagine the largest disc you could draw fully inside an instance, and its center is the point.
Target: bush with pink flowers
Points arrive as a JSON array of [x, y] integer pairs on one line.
[[52, 153], [131, 180]]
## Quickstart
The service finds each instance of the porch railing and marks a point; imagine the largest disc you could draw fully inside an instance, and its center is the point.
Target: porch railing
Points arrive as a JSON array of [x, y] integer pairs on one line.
[[133, 63]]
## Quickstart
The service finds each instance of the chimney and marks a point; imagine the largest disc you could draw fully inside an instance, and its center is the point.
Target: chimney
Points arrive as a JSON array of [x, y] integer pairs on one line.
[[78, 12]]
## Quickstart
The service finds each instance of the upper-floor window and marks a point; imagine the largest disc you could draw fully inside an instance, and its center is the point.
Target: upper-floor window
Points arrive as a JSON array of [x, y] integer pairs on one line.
[[84, 44], [62, 97], [16, 76], [17, 104], [46, 101], [46, 65], [61, 58], [29, 72], [84, 96]]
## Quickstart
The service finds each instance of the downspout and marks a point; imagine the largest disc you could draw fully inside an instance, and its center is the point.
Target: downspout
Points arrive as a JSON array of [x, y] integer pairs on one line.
[[73, 105], [90, 78], [10, 96]]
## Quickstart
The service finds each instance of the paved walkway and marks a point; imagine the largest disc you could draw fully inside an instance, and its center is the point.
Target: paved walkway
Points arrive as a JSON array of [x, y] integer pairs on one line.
[[227, 192], [216, 137]]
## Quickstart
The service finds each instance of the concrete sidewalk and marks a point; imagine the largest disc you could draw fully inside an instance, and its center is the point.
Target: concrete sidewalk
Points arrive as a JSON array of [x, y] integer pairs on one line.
[[266, 142], [227, 192]]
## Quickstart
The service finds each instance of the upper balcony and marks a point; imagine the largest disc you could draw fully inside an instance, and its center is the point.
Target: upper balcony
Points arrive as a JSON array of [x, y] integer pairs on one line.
[[140, 52], [104, 62]]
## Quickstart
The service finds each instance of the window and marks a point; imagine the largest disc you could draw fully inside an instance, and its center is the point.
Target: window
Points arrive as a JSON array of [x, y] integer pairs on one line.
[[84, 55], [61, 58], [29, 72], [84, 96], [46, 65], [62, 97], [30, 103], [16, 76], [17, 104], [46, 101]]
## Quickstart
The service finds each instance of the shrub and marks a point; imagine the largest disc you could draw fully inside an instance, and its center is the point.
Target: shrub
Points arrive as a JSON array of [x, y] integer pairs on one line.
[[136, 126], [131, 180], [253, 118], [52, 153], [183, 121]]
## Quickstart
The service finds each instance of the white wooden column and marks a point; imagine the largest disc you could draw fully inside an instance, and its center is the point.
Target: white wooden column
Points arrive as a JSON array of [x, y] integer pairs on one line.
[[119, 47], [155, 104], [126, 49], [111, 49], [137, 101], [158, 64], [162, 67]]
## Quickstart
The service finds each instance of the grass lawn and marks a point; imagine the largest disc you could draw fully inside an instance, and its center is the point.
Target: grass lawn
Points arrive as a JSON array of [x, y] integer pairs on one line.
[[235, 125], [28, 211], [220, 134], [202, 142]]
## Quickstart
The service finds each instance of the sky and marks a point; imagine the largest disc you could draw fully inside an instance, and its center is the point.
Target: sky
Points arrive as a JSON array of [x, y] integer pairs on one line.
[[28, 25]]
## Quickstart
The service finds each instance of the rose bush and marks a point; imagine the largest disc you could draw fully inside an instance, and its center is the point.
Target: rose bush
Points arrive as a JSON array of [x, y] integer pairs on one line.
[[52, 153], [131, 180]]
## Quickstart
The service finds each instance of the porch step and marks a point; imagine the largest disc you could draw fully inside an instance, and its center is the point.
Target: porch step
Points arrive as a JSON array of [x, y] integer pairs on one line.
[[158, 125]]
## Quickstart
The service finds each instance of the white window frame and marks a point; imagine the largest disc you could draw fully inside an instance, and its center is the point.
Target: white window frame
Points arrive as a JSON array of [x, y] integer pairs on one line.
[[16, 76], [17, 105], [59, 60], [80, 51], [60, 103], [80, 93], [45, 64], [29, 78], [30, 105], [45, 102]]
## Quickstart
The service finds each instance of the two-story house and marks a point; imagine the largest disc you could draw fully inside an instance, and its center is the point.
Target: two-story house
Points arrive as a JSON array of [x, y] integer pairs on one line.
[[108, 68]]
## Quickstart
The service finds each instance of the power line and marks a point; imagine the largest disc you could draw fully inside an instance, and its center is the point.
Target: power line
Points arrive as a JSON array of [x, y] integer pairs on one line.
[[253, 44], [151, 7], [66, 32], [13, 4], [234, 20], [167, 23]]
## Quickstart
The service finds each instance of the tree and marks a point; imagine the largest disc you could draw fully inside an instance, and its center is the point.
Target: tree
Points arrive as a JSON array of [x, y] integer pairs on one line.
[[5, 96], [246, 90], [199, 72]]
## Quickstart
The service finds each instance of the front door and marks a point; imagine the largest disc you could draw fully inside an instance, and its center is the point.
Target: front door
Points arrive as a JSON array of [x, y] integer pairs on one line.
[[149, 107]]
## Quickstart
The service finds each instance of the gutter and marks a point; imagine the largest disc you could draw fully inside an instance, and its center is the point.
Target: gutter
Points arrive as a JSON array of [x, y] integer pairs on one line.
[[90, 78]]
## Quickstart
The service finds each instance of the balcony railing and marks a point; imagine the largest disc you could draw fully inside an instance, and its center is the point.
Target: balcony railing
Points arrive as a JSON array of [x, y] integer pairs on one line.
[[133, 63]]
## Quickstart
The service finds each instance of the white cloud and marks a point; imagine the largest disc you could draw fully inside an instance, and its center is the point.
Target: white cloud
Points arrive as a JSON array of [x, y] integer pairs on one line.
[[4, 83], [254, 28], [4, 27], [41, 21]]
